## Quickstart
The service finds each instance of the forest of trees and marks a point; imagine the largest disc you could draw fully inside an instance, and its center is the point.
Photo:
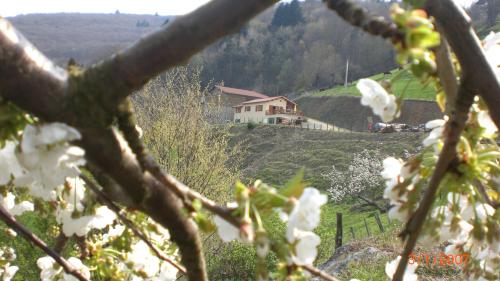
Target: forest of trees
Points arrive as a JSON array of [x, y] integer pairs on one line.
[[276, 55]]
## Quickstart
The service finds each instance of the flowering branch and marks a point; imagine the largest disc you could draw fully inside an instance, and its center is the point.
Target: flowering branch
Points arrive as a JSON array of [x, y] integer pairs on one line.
[[185, 192], [360, 17], [457, 27], [28, 235], [103, 198], [92, 98], [464, 42], [447, 156]]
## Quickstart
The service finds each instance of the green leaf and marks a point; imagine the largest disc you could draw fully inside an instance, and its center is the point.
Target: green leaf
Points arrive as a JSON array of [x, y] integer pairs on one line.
[[422, 37], [295, 186], [204, 223]]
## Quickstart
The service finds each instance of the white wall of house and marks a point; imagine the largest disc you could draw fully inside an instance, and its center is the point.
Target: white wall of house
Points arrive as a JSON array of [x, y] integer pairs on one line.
[[257, 116]]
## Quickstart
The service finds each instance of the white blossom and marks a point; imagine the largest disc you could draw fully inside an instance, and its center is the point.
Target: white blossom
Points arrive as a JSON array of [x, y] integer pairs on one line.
[[8, 202], [392, 168], [409, 274], [143, 260], [437, 127], [80, 226], [72, 194], [382, 103], [479, 211], [48, 159], [306, 213], [363, 173], [484, 120], [227, 232], [78, 265], [112, 233], [492, 50], [8, 163], [397, 212], [8, 271], [51, 273], [306, 247]]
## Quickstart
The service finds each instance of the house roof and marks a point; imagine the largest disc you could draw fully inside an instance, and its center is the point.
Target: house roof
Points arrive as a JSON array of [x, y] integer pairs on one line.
[[241, 92], [266, 100]]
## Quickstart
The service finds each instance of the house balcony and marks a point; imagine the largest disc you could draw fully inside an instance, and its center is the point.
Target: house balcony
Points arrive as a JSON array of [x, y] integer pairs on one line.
[[284, 112]]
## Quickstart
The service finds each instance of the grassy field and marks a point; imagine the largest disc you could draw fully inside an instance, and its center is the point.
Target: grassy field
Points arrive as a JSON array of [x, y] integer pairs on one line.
[[403, 85]]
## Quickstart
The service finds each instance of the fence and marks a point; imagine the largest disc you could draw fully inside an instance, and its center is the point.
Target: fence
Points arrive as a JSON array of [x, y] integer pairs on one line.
[[359, 230]]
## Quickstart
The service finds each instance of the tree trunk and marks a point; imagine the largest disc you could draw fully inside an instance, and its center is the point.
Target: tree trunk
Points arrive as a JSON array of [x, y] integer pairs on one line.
[[372, 203]]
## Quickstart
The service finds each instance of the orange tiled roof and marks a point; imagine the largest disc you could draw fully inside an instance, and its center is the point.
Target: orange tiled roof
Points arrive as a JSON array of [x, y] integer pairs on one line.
[[241, 92]]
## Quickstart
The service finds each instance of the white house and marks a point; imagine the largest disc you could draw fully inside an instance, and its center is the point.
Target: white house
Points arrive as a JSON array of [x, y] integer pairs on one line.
[[271, 110]]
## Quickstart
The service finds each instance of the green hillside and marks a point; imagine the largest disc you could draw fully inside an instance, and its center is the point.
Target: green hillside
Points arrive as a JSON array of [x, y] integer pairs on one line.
[[276, 153], [403, 85]]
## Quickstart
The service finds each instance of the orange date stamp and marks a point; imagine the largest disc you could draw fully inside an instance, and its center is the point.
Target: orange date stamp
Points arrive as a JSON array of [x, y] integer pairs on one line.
[[441, 259]]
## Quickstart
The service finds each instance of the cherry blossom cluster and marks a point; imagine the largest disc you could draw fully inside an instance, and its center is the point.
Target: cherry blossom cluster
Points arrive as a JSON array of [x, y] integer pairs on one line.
[[298, 207], [466, 220], [43, 167], [363, 173], [7, 270]]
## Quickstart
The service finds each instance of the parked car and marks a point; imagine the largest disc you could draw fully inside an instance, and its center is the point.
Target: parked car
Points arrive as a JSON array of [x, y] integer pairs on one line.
[[377, 127]]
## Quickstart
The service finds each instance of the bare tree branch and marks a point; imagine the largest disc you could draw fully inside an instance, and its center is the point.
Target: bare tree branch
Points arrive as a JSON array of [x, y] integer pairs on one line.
[[27, 77], [457, 27], [173, 45], [28, 235], [103, 198], [372, 203]]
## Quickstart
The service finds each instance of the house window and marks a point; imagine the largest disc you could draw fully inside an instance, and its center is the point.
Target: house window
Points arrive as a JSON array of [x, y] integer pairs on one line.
[[258, 108], [238, 110], [270, 121], [248, 108]]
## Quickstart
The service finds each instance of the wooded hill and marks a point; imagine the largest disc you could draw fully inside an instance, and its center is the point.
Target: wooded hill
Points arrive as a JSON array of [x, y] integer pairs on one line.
[[291, 48]]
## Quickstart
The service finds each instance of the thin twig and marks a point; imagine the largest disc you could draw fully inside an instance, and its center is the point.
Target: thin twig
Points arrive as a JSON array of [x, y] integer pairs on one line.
[[28, 235], [61, 241], [482, 190], [185, 192], [360, 17], [446, 71], [103, 198], [321, 274]]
